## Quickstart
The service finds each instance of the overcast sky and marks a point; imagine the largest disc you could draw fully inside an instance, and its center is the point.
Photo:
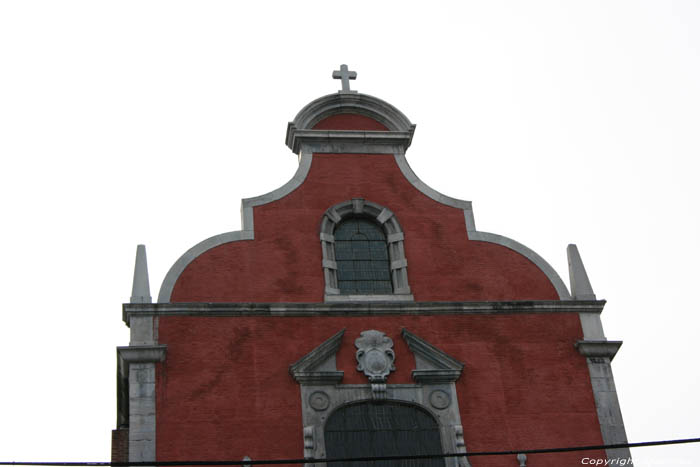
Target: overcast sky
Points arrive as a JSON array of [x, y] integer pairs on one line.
[[147, 122]]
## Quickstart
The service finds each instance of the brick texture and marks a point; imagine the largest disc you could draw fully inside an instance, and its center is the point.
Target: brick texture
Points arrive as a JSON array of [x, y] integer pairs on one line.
[[224, 391], [120, 445]]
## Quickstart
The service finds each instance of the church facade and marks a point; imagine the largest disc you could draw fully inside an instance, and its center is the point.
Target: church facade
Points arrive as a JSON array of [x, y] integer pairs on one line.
[[360, 313]]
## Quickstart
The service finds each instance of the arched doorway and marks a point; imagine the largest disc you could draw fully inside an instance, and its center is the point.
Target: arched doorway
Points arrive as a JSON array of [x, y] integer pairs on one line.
[[384, 428]]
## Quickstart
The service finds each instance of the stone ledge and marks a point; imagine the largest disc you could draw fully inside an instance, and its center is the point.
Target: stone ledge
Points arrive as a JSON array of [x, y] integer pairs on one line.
[[401, 139], [368, 298], [359, 308], [598, 349], [142, 353]]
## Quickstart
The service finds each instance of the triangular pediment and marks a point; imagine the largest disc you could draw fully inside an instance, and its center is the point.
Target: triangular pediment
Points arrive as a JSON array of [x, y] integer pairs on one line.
[[318, 366], [432, 364]]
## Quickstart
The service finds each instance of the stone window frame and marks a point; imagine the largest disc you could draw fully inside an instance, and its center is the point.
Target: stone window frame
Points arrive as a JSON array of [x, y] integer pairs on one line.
[[434, 391], [386, 219]]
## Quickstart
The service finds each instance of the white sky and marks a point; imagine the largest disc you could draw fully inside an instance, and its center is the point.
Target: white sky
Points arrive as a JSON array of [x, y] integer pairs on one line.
[[147, 121]]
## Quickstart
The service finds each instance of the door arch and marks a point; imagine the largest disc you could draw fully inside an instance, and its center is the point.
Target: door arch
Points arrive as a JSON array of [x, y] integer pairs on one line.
[[383, 428]]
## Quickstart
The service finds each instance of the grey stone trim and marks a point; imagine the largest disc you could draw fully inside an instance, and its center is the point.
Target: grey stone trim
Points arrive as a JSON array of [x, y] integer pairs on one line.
[[136, 392], [598, 356], [320, 399], [142, 331], [598, 349], [581, 288], [393, 142], [142, 353], [350, 147], [140, 290], [473, 234], [247, 232], [361, 104], [166, 289], [592, 326], [395, 237], [309, 444], [334, 296], [432, 364], [318, 366], [304, 141], [397, 257], [352, 141], [418, 184], [363, 308], [544, 266]]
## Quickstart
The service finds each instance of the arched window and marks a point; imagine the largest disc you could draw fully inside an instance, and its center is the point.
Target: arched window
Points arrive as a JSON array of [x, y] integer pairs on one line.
[[362, 257], [384, 428], [379, 418], [363, 253]]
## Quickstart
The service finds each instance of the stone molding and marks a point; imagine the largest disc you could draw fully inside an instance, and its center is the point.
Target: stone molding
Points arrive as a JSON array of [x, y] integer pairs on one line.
[[367, 298], [474, 234], [599, 354], [598, 349], [352, 141], [364, 308], [142, 353], [136, 397], [393, 142], [395, 238], [543, 265], [247, 223], [318, 366], [356, 103], [432, 364], [126, 357], [320, 398], [581, 288]]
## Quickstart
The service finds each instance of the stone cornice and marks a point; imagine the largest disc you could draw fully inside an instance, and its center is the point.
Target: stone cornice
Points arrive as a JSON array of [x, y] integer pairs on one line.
[[300, 131], [360, 309], [348, 140], [142, 353], [598, 349]]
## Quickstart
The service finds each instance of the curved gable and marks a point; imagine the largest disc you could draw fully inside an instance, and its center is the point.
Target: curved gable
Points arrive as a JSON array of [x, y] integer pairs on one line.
[[276, 257]]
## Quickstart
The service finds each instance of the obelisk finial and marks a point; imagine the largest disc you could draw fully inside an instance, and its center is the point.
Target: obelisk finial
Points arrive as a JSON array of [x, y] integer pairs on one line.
[[140, 292], [580, 285]]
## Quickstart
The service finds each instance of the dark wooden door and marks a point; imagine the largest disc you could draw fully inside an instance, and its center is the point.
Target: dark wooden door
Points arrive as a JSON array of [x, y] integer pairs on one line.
[[382, 429]]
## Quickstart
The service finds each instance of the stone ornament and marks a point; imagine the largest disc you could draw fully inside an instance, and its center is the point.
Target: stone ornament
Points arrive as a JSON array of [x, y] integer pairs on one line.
[[375, 356], [319, 400], [439, 399]]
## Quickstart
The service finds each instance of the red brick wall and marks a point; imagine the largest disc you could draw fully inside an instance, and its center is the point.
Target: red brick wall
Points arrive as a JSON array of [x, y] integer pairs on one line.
[[225, 392], [283, 263], [120, 445], [349, 122]]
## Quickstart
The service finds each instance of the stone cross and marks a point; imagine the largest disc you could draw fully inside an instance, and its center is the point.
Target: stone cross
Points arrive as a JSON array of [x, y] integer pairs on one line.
[[345, 76]]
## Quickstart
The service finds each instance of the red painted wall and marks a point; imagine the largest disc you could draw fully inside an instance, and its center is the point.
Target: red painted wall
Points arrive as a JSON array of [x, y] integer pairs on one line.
[[349, 122], [225, 392], [283, 263]]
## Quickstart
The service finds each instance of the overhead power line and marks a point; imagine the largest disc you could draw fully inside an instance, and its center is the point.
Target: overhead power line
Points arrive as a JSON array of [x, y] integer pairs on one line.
[[357, 459]]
